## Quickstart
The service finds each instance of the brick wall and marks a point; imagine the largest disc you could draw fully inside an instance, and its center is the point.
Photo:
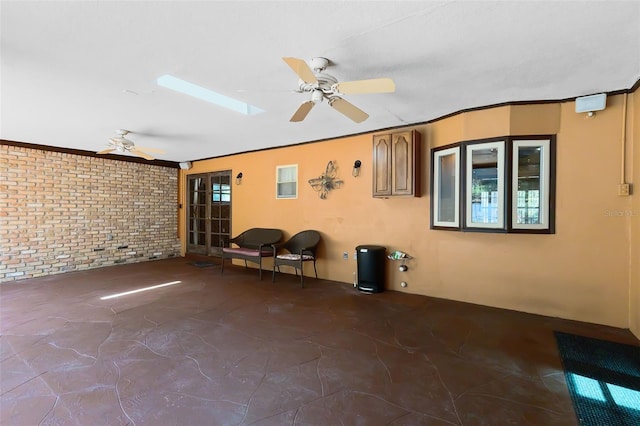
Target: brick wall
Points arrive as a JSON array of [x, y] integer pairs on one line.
[[62, 212]]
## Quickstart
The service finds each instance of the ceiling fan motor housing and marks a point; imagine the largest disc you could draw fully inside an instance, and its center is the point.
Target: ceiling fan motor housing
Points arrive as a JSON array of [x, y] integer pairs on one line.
[[121, 144], [319, 64], [325, 83]]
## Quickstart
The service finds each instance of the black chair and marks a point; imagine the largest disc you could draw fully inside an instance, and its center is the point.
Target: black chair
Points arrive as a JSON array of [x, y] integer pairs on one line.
[[301, 248]]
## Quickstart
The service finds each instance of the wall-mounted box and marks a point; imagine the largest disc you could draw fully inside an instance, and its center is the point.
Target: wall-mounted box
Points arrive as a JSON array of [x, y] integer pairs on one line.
[[591, 103]]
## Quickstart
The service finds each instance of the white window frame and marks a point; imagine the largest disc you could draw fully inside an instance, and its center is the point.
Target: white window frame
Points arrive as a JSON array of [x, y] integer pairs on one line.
[[499, 146], [545, 176], [437, 155], [278, 182]]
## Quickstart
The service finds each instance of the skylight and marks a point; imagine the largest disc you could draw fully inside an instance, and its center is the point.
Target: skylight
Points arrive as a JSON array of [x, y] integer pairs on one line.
[[207, 95]]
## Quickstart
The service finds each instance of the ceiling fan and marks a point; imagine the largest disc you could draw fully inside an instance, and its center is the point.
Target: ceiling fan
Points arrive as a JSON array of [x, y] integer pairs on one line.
[[121, 144], [322, 86]]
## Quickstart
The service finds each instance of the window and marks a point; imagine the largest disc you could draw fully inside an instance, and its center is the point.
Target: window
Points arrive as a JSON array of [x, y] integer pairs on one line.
[[497, 185], [287, 181], [531, 183], [484, 187], [446, 188]]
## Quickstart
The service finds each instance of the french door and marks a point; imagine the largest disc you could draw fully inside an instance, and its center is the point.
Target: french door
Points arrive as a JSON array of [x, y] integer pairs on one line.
[[209, 212]]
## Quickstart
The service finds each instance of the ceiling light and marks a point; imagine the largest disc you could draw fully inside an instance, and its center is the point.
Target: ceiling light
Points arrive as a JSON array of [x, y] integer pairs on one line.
[[178, 85]]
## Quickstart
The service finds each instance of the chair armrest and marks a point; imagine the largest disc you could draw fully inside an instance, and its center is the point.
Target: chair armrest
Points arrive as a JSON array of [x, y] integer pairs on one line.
[[261, 246]]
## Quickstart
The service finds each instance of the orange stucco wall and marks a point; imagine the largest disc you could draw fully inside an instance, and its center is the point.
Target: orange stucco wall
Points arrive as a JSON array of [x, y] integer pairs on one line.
[[582, 272]]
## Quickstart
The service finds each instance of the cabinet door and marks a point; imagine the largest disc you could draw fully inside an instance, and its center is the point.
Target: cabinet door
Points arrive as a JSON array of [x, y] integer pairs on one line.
[[402, 167], [381, 165], [405, 164]]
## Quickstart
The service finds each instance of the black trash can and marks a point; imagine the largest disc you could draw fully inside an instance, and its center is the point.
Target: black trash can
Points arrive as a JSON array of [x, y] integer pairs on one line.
[[371, 268]]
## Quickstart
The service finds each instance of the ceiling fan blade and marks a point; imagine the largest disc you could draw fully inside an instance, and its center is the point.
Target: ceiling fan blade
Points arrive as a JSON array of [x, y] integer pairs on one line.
[[301, 68], [302, 111], [348, 109], [106, 151], [141, 154], [375, 85], [156, 150]]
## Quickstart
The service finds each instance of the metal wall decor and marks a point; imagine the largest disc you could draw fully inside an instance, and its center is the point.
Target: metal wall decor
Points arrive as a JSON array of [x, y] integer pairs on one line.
[[327, 182]]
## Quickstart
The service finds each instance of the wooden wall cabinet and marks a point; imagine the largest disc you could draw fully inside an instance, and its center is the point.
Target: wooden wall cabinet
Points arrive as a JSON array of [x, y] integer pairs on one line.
[[396, 164]]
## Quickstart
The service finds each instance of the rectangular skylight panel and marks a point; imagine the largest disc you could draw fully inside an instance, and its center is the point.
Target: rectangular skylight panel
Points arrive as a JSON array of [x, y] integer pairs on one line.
[[207, 95]]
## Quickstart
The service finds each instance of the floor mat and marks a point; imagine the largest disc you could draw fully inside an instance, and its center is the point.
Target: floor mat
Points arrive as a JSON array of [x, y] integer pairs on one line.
[[603, 379], [203, 264]]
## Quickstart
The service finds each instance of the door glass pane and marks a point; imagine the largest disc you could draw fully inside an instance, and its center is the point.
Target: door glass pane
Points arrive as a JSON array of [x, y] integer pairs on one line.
[[447, 189], [215, 211], [224, 226], [197, 190], [225, 193], [225, 211]]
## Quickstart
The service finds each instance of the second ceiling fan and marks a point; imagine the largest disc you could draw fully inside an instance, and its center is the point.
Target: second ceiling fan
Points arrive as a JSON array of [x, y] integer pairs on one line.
[[120, 143], [322, 86]]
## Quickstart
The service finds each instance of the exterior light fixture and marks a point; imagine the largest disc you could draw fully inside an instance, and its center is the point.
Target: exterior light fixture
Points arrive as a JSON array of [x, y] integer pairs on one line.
[[356, 168]]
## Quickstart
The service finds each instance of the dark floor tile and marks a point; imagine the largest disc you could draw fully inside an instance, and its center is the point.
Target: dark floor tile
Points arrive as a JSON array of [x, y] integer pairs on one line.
[[231, 349]]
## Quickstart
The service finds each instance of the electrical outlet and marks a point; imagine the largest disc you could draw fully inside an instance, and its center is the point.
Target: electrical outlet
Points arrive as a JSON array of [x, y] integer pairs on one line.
[[624, 189], [345, 256]]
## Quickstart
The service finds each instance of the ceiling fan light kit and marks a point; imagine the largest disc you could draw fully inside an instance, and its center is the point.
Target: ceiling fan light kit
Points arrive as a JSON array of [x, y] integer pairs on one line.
[[322, 86]]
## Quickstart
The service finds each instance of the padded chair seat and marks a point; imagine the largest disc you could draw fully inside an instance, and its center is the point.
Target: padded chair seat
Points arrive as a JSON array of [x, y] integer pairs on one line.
[[293, 256], [248, 252]]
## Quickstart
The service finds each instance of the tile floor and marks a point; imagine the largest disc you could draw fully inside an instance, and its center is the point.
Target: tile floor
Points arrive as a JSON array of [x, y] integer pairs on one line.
[[231, 350]]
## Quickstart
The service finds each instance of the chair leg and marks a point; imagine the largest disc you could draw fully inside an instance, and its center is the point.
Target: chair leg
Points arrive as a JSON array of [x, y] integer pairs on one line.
[[222, 265], [314, 268], [301, 275], [259, 267], [273, 275]]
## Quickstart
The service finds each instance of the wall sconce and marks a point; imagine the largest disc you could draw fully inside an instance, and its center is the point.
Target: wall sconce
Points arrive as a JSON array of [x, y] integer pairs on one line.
[[356, 168], [239, 178]]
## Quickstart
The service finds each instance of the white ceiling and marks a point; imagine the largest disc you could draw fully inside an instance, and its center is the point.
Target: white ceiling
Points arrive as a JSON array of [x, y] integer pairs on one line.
[[74, 72]]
